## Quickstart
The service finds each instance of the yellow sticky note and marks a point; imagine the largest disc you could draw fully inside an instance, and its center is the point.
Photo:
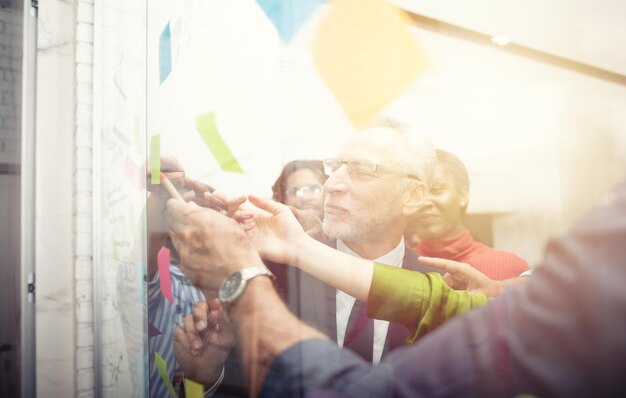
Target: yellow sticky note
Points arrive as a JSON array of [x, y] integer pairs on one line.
[[162, 367], [193, 389], [366, 55], [213, 140], [155, 159]]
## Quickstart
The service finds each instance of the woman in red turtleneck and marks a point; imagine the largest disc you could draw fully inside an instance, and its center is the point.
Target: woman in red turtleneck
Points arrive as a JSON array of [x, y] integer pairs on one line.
[[439, 225]]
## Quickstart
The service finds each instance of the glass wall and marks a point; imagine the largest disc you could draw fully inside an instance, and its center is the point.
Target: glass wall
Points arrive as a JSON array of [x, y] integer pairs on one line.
[[222, 95], [120, 329]]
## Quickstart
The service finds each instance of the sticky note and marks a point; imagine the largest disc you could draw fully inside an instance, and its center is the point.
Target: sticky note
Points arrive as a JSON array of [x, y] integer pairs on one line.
[[165, 53], [153, 331], [133, 172], [162, 367], [165, 278], [193, 389], [208, 131], [288, 15], [366, 56], [155, 159]]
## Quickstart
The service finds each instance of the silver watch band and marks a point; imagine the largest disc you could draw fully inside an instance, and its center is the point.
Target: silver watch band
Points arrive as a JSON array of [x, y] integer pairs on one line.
[[228, 297], [251, 272]]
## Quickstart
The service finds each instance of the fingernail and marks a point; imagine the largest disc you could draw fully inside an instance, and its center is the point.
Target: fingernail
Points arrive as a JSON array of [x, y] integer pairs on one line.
[[201, 325], [197, 345]]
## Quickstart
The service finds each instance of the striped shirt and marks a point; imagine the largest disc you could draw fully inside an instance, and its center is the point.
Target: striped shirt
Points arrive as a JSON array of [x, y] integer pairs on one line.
[[165, 316]]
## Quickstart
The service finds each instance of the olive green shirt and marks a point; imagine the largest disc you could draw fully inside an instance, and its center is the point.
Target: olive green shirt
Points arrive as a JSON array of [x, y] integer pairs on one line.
[[422, 302]]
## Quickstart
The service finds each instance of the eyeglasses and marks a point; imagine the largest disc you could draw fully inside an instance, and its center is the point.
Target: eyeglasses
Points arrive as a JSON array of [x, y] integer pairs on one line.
[[361, 169], [313, 190]]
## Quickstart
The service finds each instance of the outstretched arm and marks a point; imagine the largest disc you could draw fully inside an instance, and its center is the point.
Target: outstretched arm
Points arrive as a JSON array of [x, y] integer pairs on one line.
[[462, 276], [420, 301]]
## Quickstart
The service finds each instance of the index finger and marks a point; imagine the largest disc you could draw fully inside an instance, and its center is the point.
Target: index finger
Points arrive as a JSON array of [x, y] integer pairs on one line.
[[442, 264], [198, 187], [200, 311], [268, 205]]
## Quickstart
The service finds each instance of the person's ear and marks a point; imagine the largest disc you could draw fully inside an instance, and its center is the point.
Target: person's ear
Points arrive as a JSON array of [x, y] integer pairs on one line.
[[463, 197], [415, 197]]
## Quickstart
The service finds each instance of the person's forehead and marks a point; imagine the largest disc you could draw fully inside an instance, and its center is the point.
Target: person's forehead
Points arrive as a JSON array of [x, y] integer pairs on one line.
[[443, 177], [356, 149], [376, 144], [303, 176]]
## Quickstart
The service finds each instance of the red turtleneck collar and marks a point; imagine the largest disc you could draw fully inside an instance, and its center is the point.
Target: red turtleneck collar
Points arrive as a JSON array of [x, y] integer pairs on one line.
[[496, 264], [457, 248]]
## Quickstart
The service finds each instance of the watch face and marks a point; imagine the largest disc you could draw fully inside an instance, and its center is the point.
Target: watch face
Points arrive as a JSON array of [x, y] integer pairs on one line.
[[230, 286]]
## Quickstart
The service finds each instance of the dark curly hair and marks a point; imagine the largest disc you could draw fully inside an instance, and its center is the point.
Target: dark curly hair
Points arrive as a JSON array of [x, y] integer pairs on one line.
[[279, 187]]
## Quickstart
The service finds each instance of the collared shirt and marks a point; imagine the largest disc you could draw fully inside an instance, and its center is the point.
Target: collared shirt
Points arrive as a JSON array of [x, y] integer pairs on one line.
[[345, 302], [164, 317]]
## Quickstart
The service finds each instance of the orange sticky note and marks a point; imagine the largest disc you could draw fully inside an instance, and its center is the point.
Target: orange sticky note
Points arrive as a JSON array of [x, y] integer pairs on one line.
[[366, 55], [165, 278]]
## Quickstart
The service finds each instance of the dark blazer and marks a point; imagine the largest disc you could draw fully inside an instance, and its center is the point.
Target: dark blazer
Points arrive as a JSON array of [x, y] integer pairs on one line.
[[314, 302]]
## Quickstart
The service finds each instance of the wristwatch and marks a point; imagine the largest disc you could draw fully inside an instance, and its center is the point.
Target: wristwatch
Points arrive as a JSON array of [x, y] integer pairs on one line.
[[234, 284]]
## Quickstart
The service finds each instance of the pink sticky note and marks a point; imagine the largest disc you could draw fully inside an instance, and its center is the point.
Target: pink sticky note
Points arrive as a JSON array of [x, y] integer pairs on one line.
[[133, 173], [165, 279]]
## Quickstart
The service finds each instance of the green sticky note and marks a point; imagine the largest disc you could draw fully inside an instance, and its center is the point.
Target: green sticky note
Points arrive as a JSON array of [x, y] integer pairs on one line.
[[208, 131], [155, 159], [193, 389], [162, 367]]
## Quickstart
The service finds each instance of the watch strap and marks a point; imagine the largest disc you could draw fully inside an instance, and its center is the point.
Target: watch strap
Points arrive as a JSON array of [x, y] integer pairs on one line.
[[246, 275]]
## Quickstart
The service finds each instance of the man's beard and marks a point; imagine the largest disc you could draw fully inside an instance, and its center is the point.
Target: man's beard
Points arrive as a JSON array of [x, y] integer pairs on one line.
[[358, 228], [341, 230]]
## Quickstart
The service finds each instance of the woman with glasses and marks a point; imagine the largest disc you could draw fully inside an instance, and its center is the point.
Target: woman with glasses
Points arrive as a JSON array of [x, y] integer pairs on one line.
[[438, 227], [300, 185]]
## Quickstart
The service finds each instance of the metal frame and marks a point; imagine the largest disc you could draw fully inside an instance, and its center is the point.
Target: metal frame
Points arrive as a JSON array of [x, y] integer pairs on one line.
[[27, 211], [96, 127]]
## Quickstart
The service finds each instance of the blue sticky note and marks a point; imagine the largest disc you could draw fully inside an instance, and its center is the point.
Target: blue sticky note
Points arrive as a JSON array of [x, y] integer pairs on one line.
[[288, 15], [165, 54]]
